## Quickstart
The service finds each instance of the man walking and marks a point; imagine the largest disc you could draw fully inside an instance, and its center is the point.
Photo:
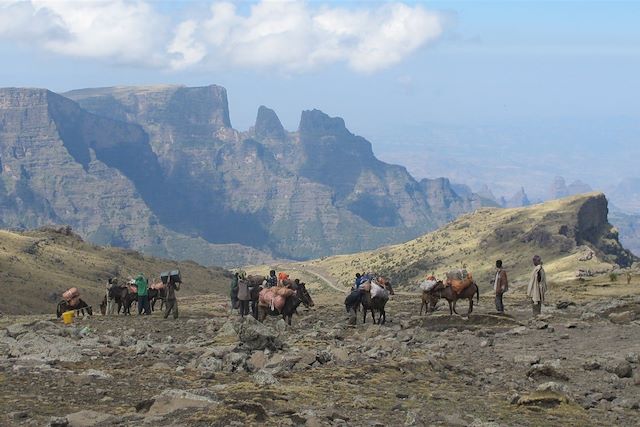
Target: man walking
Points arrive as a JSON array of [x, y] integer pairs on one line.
[[500, 286], [143, 294], [172, 302], [537, 286]]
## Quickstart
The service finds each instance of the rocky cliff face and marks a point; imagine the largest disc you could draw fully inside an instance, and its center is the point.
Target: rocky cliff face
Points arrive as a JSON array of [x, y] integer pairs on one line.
[[64, 165], [131, 166]]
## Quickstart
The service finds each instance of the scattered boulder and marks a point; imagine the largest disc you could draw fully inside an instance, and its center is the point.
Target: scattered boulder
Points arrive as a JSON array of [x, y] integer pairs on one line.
[[554, 387], [623, 317], [257, 336], [257, 361], [96, 374], [544, 399], [546, 370], [527, 359], [58, 422], [88, 418], [172, 400], [621, 368], [263, 377], [591, 365]]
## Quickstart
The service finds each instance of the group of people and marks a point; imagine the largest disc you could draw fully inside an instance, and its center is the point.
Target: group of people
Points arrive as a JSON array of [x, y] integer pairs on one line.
[[141, 284], [536, 289], [241, 289]]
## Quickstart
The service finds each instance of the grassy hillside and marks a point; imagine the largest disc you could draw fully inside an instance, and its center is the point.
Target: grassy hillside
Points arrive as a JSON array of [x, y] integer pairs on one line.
[[564, 232], [37, 266]]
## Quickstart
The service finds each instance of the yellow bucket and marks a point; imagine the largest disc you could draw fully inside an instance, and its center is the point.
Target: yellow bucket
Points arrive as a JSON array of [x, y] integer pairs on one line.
[[67, 317]]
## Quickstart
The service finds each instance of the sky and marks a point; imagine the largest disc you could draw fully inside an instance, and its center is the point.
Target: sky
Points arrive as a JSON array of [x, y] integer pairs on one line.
[[409, 76]]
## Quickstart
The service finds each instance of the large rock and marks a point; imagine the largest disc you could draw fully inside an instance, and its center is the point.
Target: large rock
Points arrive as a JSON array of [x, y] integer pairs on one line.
[[89, 418], [621, 368], [257, 336], [172, 400]]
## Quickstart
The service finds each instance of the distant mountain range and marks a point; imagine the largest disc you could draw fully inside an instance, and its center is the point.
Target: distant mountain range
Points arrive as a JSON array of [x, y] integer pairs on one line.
[[161, 169]]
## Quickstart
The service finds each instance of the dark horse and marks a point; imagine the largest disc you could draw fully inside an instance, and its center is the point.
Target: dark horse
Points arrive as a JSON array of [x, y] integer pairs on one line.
[[118, 294], [445, 291], [301, 296], [376, 303], [79, 307]]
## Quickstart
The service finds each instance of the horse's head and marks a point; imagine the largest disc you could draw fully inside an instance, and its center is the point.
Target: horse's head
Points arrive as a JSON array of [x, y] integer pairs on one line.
[[386, 283], [303, 295]]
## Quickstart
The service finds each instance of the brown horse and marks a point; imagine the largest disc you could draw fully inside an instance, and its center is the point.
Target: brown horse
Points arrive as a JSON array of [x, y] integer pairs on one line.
[[376, 303], [445, 291]]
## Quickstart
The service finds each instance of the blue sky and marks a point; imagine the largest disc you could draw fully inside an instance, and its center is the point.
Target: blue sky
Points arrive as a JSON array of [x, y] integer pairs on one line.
[[476, 63]]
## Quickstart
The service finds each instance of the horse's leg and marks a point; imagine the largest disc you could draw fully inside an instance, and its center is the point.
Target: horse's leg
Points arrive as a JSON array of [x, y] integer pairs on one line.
[[450, 308], [470, 305], [421, 307], [364, 314], [454, 306]]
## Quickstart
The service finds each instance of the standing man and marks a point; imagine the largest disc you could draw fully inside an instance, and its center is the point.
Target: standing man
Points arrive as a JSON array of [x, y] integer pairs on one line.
[[172, 302], [537, 285], [500, 285], [234, 291], [244, 296], [143, 294]]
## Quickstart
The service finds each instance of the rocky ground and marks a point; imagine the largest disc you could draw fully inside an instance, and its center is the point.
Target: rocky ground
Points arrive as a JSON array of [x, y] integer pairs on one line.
[[576, 365]]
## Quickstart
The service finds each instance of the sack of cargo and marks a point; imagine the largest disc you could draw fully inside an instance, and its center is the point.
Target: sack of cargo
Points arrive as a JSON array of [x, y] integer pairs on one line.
[[133, 289], [278, 302], [428, 285], [157, 286], [283, 292], [457, 274], [265, 297], [378, 291], [460, 285], [70, 294], [174, 275]]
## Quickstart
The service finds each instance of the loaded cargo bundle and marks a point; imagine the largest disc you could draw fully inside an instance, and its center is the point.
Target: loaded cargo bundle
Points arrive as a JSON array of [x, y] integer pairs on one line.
[[274, 298], [458, 274], [158, 286], [174, 275], [72, 296], [428, 284], [378, 291]]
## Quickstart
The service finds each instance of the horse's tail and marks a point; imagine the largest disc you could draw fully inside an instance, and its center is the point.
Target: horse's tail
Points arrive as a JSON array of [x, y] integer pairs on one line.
[[477, 293]]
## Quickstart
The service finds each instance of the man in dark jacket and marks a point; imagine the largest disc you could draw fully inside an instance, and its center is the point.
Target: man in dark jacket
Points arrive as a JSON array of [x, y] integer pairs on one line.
[[172, 302], [500, 286], [272, 280], [234, 290]]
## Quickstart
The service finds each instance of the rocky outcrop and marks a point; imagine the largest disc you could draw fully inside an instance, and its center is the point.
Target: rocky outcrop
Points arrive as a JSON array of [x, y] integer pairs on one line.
[[301, 194], [160, 169], [268, 125]]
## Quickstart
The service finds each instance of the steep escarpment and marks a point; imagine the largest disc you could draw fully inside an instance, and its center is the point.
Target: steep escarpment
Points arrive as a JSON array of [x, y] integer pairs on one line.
[[570, 234], [301, 194], [64, 165]]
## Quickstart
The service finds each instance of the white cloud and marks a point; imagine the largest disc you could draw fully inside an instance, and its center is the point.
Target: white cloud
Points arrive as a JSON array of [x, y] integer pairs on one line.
[[281, 35]]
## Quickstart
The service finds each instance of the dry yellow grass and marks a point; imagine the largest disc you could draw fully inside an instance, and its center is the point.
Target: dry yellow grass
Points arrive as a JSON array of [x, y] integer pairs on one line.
[[37, 266], [476, 240]]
